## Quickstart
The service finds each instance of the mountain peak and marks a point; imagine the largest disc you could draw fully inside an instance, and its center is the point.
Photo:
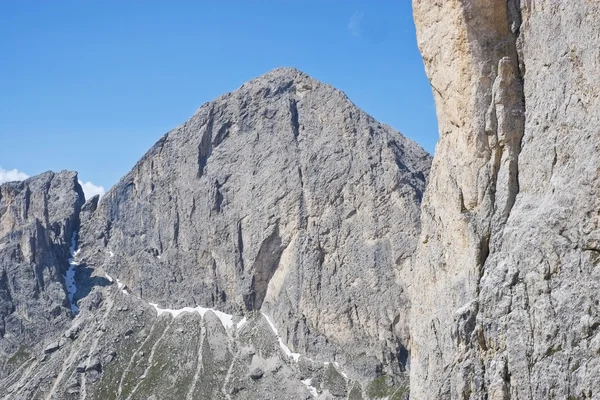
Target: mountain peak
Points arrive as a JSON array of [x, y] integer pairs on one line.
[[249, 205], [284, 79]]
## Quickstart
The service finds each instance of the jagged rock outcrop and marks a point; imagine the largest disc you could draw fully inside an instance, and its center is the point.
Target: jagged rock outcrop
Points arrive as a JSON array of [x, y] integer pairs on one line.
[[506, 290], [282, 196], [38, 218]]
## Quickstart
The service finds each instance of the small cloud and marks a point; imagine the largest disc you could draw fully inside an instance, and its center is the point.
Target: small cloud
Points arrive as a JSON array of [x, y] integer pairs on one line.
[[90, 190], [12, 175], [354, 25], [371, 28]]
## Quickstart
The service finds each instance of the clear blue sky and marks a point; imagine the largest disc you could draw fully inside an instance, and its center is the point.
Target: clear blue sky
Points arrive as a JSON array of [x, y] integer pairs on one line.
[[91, 85]]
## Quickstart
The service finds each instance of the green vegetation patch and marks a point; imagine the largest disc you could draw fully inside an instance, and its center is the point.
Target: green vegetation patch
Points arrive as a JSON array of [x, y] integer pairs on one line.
[[18, 358], [378, 388]]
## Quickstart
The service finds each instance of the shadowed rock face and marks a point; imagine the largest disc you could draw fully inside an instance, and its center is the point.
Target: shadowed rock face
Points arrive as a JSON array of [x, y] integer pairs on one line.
[[282, 196], [37, 220], [508, 282]]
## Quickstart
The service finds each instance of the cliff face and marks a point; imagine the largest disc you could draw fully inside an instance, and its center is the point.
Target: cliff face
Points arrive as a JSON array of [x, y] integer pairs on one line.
[[505, 297], [38, 218]]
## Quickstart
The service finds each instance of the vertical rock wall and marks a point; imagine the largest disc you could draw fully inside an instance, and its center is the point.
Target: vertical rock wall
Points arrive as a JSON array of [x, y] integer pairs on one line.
[[505, 292]]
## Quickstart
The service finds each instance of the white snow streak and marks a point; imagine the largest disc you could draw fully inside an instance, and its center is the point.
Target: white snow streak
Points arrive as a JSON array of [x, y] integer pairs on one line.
[[241, 323], [286, 350], [70, 276], [122, 286], [310, 387], [226, 319], [337, 368]]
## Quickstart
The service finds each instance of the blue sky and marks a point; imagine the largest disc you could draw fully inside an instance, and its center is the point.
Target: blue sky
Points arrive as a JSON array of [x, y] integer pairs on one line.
[[91, 85]]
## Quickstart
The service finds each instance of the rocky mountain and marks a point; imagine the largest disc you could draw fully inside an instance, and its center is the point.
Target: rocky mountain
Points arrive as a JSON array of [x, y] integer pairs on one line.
[[281, 243], [507, 301], [282, 197], [259, 250]]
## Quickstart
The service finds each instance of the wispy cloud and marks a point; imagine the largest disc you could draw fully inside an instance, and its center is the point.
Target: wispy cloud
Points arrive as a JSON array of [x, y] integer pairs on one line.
[[12, 175], [355, 23], [371, 28], [90, 190]]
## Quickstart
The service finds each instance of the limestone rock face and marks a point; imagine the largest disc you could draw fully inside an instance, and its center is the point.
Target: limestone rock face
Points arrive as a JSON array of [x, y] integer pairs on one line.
[[284, 197], [38, 218], [506, 279]]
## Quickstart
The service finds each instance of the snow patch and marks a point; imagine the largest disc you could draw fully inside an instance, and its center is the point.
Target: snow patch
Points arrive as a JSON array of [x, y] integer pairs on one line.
[[310, 387], [241, 323], [226, 319], [122, 286], [70, 276], [111, 254], [286, 350], [296, 356]]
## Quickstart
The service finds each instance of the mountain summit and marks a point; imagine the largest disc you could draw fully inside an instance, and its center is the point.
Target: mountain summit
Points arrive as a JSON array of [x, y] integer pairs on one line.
[[281, 197]]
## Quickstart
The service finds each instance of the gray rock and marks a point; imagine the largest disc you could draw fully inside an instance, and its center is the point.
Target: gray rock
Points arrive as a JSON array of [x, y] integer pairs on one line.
[[93, 376], [108, 358], [62, 342], [51, 348], [73, 385], [73, 331], [256, 373], [93, 364]]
